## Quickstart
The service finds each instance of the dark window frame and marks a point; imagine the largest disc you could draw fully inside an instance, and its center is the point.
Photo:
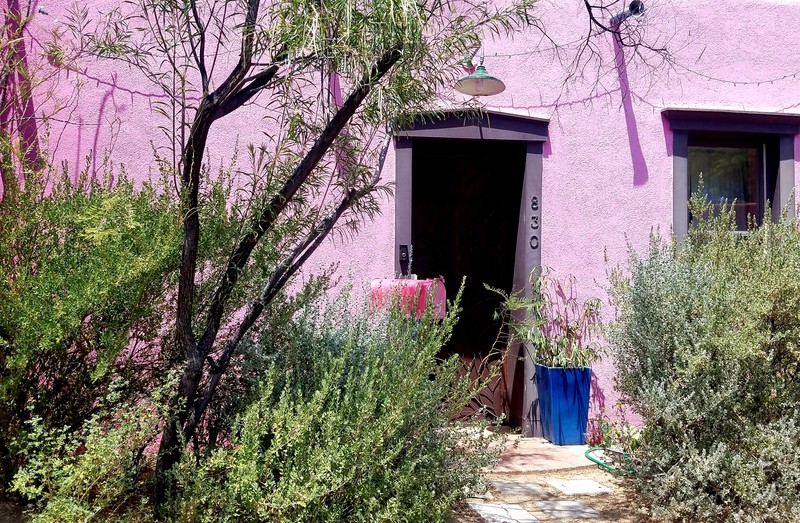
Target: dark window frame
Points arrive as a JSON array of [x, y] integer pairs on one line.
[[685, 122]]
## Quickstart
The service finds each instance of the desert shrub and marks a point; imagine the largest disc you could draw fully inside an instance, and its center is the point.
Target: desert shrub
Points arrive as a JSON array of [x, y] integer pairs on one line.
[[83, 280], [351, 424], [87, 280], [240, 387], [706, 349], [97, 472]]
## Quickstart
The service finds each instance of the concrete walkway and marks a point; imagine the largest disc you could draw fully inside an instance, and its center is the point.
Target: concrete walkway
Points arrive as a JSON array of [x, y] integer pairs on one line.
[[526, 455], [538, 481]]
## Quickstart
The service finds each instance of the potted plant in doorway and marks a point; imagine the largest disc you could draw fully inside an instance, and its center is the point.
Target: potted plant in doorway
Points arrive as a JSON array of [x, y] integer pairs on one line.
[[559, 331]]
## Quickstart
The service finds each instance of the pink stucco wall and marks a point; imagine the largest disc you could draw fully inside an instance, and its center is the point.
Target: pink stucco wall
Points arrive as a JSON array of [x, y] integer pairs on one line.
[[607, 176]]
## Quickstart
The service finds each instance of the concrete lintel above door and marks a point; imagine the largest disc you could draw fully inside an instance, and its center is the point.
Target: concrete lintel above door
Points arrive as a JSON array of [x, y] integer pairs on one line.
[[478, 125]]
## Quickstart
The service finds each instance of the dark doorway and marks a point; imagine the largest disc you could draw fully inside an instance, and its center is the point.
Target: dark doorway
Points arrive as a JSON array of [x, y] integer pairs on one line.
[[465, 211]]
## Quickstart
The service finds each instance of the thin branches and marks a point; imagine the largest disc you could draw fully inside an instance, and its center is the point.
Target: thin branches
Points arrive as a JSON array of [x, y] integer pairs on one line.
[[270, 213], [199, 48]]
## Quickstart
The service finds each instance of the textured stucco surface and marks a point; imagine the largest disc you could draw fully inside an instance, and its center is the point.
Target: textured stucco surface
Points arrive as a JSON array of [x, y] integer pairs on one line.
[[607, 176]]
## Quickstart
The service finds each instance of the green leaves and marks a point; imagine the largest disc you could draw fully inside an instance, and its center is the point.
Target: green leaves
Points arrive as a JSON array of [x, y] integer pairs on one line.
[[351, 424], [84, 273], [86, 258], [706, 350], [558, 328], [90, 473]]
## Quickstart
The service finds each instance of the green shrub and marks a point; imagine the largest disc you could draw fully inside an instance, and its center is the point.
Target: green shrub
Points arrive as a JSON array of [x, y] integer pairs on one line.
[[98, 472], [706, 349], [87, 277], [84, 271], [558, 329], [352, 424]]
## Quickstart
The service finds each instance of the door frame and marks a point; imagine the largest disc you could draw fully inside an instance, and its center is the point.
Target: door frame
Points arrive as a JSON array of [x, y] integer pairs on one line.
[[487, 125]]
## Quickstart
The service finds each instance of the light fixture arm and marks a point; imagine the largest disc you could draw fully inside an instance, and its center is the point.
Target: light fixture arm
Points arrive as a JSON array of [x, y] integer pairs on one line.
[[635, 8]]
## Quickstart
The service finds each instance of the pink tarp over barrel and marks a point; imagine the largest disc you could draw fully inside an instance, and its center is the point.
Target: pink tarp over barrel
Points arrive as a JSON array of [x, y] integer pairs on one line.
[[412, 294]]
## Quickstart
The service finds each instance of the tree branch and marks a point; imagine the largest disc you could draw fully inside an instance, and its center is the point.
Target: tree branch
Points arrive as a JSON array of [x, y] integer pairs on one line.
[[246, 93], [201, 59], [269, 215], [234, 79], [278, 281], [192, 159]]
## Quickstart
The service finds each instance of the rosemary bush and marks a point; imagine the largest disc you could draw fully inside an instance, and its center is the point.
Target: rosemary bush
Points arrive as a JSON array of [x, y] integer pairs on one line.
[[351, 422], [707, 350]]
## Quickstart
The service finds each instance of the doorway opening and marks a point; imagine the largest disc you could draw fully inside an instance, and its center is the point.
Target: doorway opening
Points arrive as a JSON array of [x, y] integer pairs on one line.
[[465, 200]]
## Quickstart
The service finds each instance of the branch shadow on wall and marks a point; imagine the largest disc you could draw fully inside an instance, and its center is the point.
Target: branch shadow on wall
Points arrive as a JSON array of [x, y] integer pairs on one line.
[[16, 92]]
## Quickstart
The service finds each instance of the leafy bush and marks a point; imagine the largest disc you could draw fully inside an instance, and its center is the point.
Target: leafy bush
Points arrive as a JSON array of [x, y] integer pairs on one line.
[[707, 350], [83, 281], [95, 473], [558, 328], [87, 274], [614, 431], [351, 423]]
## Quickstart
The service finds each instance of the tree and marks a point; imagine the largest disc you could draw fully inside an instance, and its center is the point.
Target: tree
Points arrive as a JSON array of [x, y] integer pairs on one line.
[[324, 78]]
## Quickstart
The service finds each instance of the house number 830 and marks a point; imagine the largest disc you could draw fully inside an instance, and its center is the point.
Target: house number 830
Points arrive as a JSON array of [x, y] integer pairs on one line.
[[534, 241]]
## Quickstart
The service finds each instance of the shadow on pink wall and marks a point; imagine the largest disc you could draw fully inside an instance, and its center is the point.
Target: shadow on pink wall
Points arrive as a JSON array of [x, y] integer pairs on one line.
[[640, 172], [597, 398], [90, 126], [547, 147], [17, 113]]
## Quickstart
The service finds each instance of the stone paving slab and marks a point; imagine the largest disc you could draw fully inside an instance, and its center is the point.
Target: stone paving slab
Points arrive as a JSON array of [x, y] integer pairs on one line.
[[567, 509], [505, 513], [537, 454], [486, 496], [519, 488], [579, 487]]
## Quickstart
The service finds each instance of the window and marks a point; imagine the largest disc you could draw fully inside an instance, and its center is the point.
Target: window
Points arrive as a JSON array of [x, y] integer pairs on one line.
[[739, 168], [747, 157]]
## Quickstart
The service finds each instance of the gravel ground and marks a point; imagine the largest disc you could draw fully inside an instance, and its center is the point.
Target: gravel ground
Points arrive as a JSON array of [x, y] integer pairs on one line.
[[9, 513], [619, 506]]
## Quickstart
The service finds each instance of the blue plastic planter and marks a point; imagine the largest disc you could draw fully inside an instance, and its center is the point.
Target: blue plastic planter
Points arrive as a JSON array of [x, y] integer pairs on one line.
[[564, 403]]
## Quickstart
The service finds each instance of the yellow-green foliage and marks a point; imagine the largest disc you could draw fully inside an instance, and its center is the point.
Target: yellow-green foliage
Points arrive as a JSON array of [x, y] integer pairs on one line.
[[352, 424], [93, 473], [83, 276]]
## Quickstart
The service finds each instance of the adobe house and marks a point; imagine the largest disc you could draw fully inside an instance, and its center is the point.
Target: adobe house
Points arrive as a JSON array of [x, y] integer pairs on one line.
[[585, 152]]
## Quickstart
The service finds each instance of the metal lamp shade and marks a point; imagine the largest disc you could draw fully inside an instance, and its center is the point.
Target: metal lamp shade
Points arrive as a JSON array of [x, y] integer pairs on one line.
[[480, 83]]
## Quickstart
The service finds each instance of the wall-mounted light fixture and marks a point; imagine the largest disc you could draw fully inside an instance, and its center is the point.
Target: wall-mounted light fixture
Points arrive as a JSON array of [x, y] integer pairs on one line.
[[480, 83], [635, 8]]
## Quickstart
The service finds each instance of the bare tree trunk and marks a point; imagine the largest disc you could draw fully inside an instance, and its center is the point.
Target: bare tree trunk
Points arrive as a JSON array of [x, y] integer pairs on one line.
[[189, 404], [170, 447]]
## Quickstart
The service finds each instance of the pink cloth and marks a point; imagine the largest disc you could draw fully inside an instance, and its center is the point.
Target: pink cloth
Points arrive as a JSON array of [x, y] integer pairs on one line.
[[412, 294]]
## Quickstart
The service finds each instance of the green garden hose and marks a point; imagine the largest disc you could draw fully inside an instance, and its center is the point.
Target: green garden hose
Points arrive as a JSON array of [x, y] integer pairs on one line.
[[604, 463]]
